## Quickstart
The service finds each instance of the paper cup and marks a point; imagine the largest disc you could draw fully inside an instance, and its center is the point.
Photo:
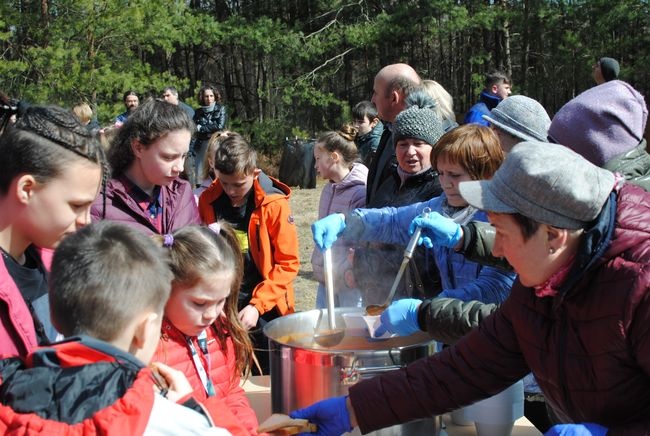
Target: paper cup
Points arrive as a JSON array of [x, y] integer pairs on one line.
[[373, 322], [354, 324], [358, 324]]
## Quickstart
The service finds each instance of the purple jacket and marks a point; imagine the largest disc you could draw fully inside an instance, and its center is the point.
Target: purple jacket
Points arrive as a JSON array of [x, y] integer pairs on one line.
[[342, 197], [179, 207], [588, 347]]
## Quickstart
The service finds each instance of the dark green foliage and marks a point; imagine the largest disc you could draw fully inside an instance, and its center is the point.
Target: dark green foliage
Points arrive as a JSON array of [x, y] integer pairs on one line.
[[295, 67]]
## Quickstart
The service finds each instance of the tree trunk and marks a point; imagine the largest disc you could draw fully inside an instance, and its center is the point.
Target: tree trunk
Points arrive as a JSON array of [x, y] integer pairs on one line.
[[506, 39], [44, 12]]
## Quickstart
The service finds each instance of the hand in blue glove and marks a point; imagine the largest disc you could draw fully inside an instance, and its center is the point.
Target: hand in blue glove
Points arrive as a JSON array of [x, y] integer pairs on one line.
[[326, 230], [331, 416], [401, 317], [586, 429], [437, 230]]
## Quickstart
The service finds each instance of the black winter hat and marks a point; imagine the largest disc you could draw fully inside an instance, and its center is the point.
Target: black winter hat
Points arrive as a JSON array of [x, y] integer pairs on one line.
[[610, 68]]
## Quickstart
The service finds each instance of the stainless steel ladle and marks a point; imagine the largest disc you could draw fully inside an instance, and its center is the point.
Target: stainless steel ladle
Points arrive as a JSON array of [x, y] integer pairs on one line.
[[377, 309], [332, 336]]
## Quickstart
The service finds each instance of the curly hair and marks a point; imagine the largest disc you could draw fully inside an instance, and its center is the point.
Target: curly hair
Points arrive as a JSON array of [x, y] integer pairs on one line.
[[150, 121]]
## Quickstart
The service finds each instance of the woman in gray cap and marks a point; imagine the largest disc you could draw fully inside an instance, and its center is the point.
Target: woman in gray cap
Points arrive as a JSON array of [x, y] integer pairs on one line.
[[578, 314]]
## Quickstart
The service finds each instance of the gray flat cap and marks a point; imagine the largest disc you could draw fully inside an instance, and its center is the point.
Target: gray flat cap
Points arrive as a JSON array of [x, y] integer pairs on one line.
[[545, 182]]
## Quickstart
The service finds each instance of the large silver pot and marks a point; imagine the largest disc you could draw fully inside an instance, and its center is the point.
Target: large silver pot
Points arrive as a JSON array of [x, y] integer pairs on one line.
[[302, 372]]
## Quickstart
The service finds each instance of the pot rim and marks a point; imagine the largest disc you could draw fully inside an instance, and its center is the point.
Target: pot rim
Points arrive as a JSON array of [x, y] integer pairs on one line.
[[275, 331]]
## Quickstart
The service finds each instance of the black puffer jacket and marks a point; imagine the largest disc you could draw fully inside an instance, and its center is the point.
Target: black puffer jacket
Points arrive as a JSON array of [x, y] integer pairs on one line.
[[449, 319], [416, 188], [588, 347], [209, 122], [376, 264]]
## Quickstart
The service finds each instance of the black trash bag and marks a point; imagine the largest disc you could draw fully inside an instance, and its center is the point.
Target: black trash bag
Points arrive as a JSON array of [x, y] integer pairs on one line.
[[297, 163]]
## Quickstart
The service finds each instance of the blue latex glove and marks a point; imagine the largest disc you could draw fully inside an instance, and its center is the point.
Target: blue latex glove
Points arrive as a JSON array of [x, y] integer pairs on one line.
[[586, 429], [401, 317], [326, 230], [437, 230], [331, 416]]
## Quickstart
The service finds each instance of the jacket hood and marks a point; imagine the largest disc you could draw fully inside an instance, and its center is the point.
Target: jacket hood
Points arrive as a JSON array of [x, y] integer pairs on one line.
[[632, 223], [68, 382], [490, 100], [179, 207], [357, 176], [115, 188], [268, 189], [612, 233]]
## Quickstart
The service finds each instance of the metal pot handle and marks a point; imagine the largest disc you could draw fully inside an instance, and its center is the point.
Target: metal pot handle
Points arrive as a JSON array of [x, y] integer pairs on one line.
[[353, 374]]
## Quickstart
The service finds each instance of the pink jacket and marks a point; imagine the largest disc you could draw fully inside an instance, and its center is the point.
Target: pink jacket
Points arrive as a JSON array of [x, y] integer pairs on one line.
[[342, 197], [17, 334]]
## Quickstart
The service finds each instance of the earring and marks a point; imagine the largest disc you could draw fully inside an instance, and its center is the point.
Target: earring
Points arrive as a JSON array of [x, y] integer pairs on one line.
[[551, 250]]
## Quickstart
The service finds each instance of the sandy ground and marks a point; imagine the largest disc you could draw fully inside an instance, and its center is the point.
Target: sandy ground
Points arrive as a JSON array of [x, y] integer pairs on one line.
[[304, 204]]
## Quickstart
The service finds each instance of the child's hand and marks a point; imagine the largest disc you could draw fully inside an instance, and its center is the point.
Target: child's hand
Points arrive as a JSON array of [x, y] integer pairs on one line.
[[179, 387], [248, 317]]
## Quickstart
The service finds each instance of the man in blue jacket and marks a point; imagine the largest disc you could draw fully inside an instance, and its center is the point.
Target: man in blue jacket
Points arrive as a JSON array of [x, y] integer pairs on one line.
[[497, 88]]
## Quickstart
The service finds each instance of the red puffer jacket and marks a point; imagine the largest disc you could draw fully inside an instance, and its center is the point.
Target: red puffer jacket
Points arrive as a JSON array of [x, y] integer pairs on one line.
[[174, 351], [588, 347], [83, 386]]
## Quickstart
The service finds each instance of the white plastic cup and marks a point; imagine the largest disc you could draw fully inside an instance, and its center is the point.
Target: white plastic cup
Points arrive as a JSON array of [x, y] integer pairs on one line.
[[458, 417], [495, 416]]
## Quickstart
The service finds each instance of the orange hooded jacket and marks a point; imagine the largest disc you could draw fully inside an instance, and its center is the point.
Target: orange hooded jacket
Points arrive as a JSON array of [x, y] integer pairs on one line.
[[272, 241]]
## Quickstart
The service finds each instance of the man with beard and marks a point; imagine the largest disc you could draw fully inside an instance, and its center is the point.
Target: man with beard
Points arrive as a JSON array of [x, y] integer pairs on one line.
[[131, 101]]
